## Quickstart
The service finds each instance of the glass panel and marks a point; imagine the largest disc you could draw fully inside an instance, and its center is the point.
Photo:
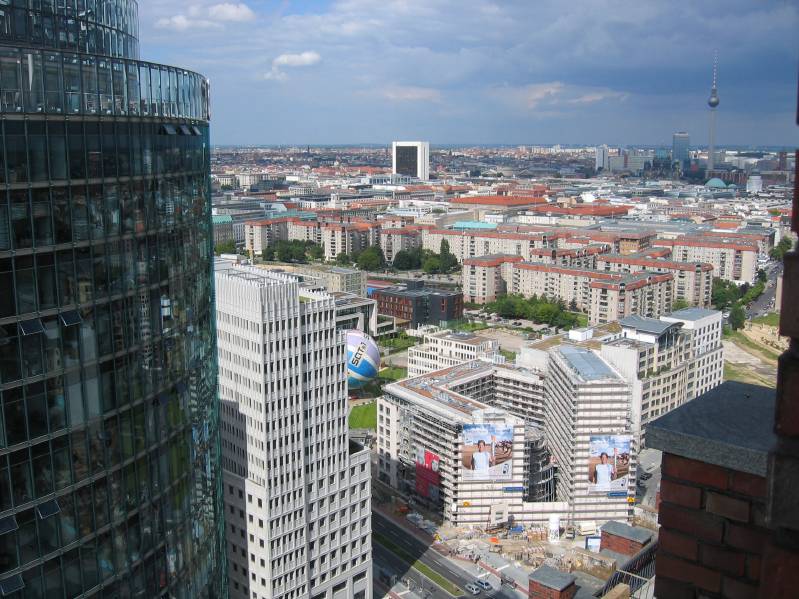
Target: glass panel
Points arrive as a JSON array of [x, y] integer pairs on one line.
[[72, 93], [58, 150], [10, 80], [77, 155], [42, 217], [37, 151], [53, 84], [16, 152], [33, 81], [62, 219], [91, 102]]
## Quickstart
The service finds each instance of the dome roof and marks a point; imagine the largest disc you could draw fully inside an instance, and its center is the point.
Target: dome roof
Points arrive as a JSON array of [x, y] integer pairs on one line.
[[716, 183]]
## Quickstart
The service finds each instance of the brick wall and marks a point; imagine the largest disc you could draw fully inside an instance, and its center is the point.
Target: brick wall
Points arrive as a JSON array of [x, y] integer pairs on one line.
[[713, 531], [539, 591], [619, 544]]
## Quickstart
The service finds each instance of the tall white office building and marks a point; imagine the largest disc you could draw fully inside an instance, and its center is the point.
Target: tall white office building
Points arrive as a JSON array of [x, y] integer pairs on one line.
[[411, 158], [296, 489], [602, 158]]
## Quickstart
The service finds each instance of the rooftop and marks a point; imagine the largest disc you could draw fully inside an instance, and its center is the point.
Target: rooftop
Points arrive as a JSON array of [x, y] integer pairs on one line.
[[646, 325], [552, 578], [730, 426], [634, 533], [587, 364], [692, 313]]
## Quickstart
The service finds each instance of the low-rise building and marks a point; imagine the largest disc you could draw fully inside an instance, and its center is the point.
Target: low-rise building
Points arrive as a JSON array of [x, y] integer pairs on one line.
[[337, 278], [419, 305], [395, 240], [223, 228], [443, 349]]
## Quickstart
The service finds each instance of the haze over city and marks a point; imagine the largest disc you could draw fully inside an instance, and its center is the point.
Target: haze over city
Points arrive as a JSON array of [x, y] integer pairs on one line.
[[466, 72]]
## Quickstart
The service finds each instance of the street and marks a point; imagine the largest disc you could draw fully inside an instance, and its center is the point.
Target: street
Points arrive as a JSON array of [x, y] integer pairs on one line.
[[764, 304], [428, 556]]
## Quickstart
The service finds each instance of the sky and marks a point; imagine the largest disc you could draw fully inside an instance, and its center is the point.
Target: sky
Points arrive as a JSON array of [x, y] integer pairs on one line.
[[621, 72]]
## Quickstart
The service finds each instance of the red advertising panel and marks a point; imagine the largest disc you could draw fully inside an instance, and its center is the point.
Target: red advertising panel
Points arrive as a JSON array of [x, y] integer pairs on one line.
[[427, 476]]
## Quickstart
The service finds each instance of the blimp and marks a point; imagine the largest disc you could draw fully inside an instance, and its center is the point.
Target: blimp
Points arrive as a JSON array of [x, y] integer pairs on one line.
[[363, 359]]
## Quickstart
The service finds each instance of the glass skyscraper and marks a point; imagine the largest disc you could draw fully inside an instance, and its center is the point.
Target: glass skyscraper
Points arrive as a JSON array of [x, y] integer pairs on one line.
[[109, 448]]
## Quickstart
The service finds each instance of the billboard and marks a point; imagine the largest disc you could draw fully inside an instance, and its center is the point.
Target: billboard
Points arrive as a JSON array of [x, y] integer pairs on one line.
[[427, 475], [487, 452], [609, 463]]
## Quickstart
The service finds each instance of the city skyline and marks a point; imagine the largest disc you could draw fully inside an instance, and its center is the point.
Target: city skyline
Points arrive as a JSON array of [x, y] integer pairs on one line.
[[361, 72]]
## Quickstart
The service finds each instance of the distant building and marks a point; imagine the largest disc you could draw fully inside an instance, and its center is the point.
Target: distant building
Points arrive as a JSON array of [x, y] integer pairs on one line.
[[411, 158], [444, 349], [602, 157], [223, 228], [754, 184], [419, 305], [337, 278], [680, 142]]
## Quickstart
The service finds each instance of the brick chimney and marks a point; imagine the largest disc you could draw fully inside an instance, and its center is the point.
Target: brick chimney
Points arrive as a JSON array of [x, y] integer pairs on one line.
[[623, 538], [549, 583], [713, 492]]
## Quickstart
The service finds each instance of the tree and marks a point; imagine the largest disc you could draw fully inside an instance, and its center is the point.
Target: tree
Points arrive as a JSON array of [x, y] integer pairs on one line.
[[431, 264], [315, 252], [342, 259], [447, 260], [737, 317], [679, 304], [761, 275], [573, 305], [225, 247], [372, 258], [778, 251], [269, 254]]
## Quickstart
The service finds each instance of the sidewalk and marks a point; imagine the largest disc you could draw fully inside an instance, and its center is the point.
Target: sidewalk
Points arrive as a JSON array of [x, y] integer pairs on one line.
[[490, 564]]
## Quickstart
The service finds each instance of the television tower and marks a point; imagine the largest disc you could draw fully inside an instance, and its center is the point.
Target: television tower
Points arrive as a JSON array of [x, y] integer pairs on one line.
[[713, 102]]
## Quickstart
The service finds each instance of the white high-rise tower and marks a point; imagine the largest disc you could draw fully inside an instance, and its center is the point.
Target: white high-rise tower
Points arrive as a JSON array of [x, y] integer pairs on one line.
[[713, 102], [296, 489]]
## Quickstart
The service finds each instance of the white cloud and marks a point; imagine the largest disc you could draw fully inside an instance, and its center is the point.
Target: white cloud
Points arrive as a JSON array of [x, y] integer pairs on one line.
[[207, 17], [410, 93], [301, 59], [183, 23], [227, 11], [599, 96]]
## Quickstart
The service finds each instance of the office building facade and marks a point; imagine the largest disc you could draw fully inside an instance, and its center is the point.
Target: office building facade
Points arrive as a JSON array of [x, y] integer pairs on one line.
[[680, 142], [296, 488], [411, 158], [109, 457]]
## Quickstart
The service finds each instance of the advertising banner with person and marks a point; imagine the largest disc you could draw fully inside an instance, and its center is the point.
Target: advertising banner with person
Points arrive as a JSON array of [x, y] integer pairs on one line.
[[427, 475], [487, 452], [608, 463]]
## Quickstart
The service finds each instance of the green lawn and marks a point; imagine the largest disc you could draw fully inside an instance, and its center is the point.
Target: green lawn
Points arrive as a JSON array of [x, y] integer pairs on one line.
[[398, 343], [582, 319], [509, 355], [393, 373], [744, 341], [364, 416], [427, 571], [468, 327], [733, 373], [771, 319]]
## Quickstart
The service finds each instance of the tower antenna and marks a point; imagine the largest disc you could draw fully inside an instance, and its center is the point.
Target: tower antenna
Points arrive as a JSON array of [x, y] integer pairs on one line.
[[713, 102]]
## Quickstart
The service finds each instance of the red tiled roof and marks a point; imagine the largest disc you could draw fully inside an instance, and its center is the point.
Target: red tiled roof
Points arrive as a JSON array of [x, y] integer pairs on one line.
[[506, 201]]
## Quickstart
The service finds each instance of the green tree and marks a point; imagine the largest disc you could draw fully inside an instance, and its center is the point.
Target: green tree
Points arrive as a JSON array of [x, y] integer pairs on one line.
[[342, 259], [447, 259], [372, 258], [225, 247], [269, 254], [737, 317], [431, 265], [778, 251], [315, 252], [679, 304]]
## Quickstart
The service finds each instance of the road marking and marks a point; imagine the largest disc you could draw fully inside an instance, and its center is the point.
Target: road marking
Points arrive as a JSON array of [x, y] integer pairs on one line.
[[502, 567], [403, 593]]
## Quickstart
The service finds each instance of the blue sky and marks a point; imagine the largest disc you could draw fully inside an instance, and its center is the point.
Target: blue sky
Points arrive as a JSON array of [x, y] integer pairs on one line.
[[470, 71]]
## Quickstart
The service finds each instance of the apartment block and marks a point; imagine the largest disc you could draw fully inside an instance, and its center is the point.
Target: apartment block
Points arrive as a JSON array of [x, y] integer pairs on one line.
[[484, 279], [705, 329], [347, 238], [693, 282], [732, 259], [298, 490], [470, 244], [443, 349], [258, 234], [395, 240], [604, 296], [223, 228], [336, 278]]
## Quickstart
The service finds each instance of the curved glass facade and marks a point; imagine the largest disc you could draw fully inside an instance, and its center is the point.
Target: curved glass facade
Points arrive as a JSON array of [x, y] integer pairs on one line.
[[109, 451], [104, 27]]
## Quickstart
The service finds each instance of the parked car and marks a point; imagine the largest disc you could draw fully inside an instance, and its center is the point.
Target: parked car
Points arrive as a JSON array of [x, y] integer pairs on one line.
[[484, 584], [473, 589]]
